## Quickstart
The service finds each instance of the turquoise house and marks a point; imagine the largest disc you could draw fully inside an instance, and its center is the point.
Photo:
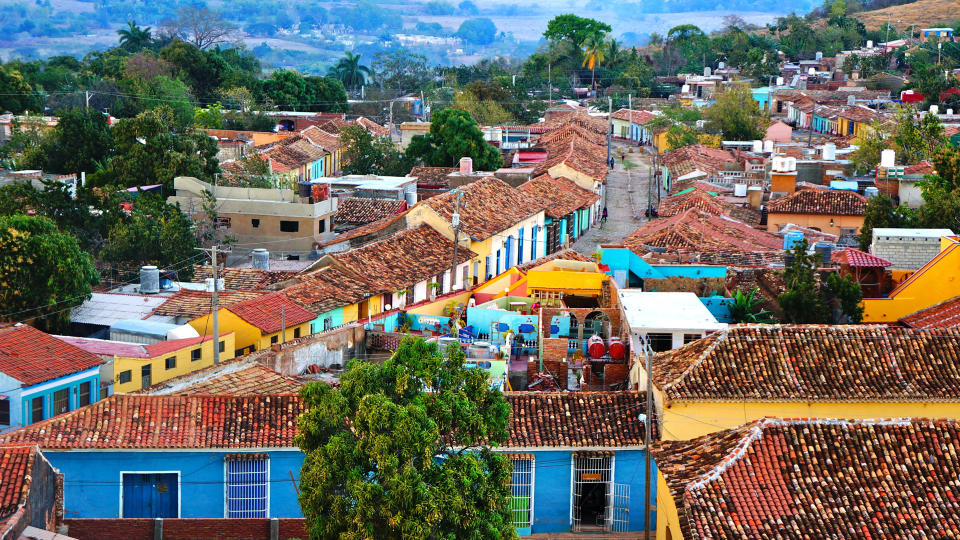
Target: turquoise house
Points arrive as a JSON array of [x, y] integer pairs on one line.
[[42, 376]]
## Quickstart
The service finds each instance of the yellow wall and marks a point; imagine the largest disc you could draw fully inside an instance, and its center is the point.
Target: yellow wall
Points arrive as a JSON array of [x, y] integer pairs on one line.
[[668, 516], [245, 333], [571, 282], [822, 222], [158, 365], [583, 180], [436, 308], [660, 142], [350, 313], [266, 339], [682, 421], [935, 282]]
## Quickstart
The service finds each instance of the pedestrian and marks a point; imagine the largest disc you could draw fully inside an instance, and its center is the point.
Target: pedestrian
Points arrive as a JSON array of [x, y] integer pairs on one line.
[[622, 157], [603, 216]]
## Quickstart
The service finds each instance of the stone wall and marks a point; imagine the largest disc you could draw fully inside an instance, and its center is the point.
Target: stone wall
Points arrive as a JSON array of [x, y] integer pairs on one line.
[[325, 349], [906, 252]]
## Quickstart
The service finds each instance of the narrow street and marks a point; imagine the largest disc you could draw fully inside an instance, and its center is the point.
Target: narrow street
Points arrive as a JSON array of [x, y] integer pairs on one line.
[[627, 194]]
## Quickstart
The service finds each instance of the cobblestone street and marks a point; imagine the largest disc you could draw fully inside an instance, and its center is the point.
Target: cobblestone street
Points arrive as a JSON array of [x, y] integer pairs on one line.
[[627, 193]]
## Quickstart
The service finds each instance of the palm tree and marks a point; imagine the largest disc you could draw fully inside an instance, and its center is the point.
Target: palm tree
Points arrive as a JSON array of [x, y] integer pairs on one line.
[[747, 308], [133, 38], [593, 54], [613, 51], [350, 72]]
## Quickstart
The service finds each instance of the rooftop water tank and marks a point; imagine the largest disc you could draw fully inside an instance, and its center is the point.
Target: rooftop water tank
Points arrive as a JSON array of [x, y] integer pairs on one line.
[[768, 147], [616, 349], [149, 280], [595, 346], [934, 109], [739, 190], [261, 259], [825, 250], [871, 192], [758, 146], [888, 158], [830, 152], [792, 238]]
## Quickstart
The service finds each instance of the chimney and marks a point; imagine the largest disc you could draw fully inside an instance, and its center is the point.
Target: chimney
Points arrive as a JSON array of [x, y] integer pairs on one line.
[[466, 165]]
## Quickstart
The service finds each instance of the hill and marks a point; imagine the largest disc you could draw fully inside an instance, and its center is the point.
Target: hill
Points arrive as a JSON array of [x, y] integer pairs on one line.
[[923, 13]]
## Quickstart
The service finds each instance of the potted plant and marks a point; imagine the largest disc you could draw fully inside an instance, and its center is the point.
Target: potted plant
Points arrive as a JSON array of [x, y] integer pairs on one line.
[[434, 288]]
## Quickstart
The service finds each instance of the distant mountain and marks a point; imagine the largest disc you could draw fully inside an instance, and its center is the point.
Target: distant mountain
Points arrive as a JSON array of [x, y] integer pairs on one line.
[[923, 13]]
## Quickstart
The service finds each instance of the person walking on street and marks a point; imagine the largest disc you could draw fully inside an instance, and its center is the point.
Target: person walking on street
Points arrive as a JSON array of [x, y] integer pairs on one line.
[[603, 216]]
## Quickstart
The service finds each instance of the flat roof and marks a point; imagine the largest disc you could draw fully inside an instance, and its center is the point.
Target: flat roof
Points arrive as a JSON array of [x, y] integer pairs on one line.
[[666, 311], [913, 233], [368, 181], [105, 309]]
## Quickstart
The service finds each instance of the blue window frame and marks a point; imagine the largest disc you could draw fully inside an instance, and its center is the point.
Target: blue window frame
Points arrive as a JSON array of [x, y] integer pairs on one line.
[[520, 246], [246, 485], [533, 242], [498, 262]]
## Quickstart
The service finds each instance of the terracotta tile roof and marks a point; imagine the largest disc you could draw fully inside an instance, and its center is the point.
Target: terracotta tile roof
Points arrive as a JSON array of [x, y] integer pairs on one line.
[[700, 231], [943, 315], [321, 138], [16, 467], [571, 131], [331, 287], [924, 167], [193, 304], [560, 196], [813, 363], [949, 131], [374, 128], [487, 207], [817, 479], [705, 201], [823, 202], [265, 313], [191, 421], [859, 113], [687, 159], [32, 356], [578, 154], [432, 176], [242, 279], [362, 210], [403, 259], [134, 350], [575, 419], [578, 117], [634, 116], [239, 376], [859, 259], [363, 230]]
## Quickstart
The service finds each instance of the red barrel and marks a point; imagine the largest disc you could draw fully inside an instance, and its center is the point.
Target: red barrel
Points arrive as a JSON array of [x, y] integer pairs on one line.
[[617, 350], [595, 346]]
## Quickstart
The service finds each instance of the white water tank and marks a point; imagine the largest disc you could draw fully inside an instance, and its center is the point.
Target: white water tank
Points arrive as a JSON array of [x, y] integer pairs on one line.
[[685, 89], [768, 147], [758, 146], [779, 81], [722, 65], [777, 164], [819, 56], [829, 152], [149, 280], [261, 259], [466, 165], [790, 164], [934, 109], [208, 284], [811, 71], [888, 158], [949, 112], [869, 44], [739, 190]]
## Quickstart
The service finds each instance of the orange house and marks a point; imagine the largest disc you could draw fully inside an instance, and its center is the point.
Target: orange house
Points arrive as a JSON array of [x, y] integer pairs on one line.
[[833, 211]]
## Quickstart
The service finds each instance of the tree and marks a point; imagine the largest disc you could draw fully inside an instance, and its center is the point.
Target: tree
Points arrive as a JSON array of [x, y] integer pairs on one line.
[[679, 135], [133, 38], [802, 302], [454, 134], [364, 154], [468, 8], [569, 27], [485, 111], [385, 458], [154, 233], [882, 212], [201, 26], [16, 94], [480, 31], [736, 115], [81, 139], [747, 308], [848, 294], [324, 94], [43, 272], [916, 140], [594, 51], [210, 117], [400, 69], [350, 71]]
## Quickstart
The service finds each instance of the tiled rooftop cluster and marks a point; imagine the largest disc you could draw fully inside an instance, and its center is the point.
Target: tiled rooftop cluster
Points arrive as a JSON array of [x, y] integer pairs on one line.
[[363, 210], [821, 201], [330, 287], [16, 465], [697, 230], [430, 177], [817, 479], [694, 157], [943, 315], [32, 357], [243, 279], [576, 419], [813, 363], [560, 196], [271, 312], [239, 376], [487, 207], [193, 304]]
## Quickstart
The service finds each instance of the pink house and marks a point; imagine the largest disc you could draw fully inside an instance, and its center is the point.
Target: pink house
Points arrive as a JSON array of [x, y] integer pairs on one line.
[[779, 132]]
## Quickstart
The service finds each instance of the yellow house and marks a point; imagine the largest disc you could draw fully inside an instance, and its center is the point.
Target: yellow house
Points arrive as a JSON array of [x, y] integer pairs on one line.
[[134, 366], [933, 283], [259, 322], [502, 225], [828, 210], [753, 371]]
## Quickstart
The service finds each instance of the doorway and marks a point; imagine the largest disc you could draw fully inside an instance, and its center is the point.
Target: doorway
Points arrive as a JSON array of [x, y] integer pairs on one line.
[[150, 495], [592, 477], [145, 379]]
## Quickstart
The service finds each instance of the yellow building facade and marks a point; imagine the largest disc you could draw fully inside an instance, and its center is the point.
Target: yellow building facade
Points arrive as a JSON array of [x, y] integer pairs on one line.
[[166, 360], [247, 337], [935, 282]]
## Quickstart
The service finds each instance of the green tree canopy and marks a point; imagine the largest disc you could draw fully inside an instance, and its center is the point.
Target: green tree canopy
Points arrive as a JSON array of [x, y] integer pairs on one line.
[[365, 154], [43, 272], [16, 94], [736, 115], [81, 139], [748, 308], [480, 31], [350, 71], [154, 233], [569, 27], [802, 302], [400, 450], [454, 134]]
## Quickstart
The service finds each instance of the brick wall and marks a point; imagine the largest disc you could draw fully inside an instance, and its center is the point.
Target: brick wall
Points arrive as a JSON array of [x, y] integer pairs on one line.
[[555, 348], [183, 529]]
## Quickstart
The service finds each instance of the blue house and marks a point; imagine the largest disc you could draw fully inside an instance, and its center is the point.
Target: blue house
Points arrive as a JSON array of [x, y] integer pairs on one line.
[[175, 456], [578, 462], [41, 376]]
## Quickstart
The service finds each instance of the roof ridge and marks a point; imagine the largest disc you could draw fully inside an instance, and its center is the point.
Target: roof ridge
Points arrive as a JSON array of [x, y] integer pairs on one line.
[[720, 336]]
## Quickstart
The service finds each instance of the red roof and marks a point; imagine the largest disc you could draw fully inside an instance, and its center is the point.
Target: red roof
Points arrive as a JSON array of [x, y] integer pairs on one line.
[[133, 350], [575, 419], [823, 202], [859, 259], [171, 421], [943, 315], [265, 312], [32, 357], [16, 467]]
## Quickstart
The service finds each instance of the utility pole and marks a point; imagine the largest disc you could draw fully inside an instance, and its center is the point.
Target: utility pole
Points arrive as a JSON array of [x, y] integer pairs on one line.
[[648, 352], [283, 323], [610, 124], [214, 302], [86, 98], [550, 84], [455, 221], [630, 116]]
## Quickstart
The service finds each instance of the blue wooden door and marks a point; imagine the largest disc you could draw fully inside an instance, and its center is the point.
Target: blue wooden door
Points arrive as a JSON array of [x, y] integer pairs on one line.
[[150, 495]]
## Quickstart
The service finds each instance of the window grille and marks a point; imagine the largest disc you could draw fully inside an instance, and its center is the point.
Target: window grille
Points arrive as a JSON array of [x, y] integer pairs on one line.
[[521, 501], [247, 495]]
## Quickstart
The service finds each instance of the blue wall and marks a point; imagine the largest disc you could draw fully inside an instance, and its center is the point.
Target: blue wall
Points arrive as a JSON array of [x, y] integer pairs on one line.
[[27, 394], [691, 271], [92, 480], [336, 316], [719, 307], [552, 493]]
